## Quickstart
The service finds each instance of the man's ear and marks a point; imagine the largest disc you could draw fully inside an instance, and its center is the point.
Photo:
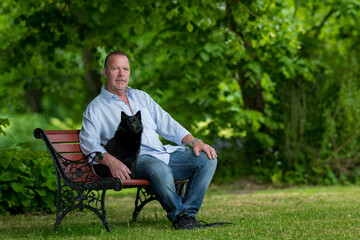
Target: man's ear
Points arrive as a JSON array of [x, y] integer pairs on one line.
[[104, 73]]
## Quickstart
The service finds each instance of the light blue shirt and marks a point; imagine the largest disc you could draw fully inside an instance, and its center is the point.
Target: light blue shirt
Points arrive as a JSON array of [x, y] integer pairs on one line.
[[103, 115]]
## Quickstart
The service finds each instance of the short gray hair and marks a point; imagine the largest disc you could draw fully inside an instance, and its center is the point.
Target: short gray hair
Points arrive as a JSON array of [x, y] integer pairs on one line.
[[114, 53]]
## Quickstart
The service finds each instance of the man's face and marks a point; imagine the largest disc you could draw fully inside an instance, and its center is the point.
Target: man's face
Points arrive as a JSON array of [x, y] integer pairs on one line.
[[117, 73]]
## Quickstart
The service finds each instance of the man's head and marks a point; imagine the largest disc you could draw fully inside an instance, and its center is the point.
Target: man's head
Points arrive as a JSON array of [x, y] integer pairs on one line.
[[116, 72]]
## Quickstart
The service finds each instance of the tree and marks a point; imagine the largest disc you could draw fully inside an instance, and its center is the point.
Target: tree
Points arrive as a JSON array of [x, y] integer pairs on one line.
[[222, 68]]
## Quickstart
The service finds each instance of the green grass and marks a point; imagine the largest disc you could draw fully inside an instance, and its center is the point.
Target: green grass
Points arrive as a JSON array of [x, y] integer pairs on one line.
[[296, 213]]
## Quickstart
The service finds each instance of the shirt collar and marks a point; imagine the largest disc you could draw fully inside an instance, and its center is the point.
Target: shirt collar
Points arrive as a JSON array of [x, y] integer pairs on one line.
[[108, 95]]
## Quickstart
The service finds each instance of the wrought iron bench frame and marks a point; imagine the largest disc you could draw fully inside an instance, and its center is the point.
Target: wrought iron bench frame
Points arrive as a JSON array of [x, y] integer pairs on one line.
[[79, 187]]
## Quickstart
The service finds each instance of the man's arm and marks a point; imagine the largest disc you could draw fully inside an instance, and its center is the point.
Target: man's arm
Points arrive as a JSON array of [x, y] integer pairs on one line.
[[90, 142], [172, 131], [117, 168], [200, 146]]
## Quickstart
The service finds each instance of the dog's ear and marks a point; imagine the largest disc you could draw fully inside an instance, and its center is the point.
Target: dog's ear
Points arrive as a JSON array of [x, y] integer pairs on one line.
[[138, 115], [123, 115]]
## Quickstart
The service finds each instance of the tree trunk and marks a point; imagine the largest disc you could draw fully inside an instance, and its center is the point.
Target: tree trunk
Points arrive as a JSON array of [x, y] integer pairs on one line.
[[92, 76], [251, 93], [33, 99]]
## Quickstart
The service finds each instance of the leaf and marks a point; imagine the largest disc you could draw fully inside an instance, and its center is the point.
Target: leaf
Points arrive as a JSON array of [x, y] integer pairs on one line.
[[3, 161], [210, 48], [18, 187], [26, 202], [6, 176], [204, 56], [170, 15], [189, 27], [102, 7], [41, 192], [4, 122], [138, 29]]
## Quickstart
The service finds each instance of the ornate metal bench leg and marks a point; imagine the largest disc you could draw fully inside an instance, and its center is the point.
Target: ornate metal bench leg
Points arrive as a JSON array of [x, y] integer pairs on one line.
[[60, 217], [103, 210], [60, 211], [92, 200], [58, 221], [142, 198], [57, 224], [69, 199], [180, 189], [137, 208]]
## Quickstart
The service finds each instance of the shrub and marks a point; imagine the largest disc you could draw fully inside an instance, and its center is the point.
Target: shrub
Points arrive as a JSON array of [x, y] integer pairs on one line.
[[27, 181]]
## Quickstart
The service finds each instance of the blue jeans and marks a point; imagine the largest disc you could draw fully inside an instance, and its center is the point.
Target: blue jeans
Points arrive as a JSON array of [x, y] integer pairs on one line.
[[183, 165]]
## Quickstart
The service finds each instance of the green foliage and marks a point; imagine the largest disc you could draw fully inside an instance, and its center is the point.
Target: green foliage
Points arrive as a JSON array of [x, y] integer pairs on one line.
[[21, 127], [280, 75], [27, 181], [4, 122], [230, 153], [340, 142]]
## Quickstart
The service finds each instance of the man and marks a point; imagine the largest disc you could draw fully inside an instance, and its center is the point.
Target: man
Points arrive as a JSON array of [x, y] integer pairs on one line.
[[160, 164]]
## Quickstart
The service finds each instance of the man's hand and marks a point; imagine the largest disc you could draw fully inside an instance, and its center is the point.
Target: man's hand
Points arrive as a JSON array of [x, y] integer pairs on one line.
[[117, 168], [201, 146]]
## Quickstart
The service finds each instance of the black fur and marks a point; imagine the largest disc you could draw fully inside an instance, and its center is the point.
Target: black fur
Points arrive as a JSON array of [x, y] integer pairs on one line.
[[125, 145]]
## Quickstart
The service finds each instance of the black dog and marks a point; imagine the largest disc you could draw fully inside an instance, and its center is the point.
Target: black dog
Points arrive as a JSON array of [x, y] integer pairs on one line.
[[125, 145]]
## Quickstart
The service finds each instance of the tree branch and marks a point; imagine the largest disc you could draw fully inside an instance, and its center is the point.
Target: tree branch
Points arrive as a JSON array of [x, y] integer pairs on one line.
[[343, 145], [318, 28], [230, 20]]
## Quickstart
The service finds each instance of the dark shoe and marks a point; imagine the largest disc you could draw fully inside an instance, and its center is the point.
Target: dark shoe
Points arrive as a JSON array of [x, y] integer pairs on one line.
[[185, 222], [196, 223]]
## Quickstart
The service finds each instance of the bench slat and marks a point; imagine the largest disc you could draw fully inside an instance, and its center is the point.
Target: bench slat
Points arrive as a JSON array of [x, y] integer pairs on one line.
[[67, 148], [54, 132], [74, 156], [143, 182], [63, 136], [135, 182]]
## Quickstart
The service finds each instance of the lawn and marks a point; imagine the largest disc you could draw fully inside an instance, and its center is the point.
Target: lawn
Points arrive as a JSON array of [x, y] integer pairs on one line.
[[295, 213]]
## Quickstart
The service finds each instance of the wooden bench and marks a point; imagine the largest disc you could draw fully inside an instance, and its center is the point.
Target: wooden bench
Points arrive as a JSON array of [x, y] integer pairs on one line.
[[79, 187]]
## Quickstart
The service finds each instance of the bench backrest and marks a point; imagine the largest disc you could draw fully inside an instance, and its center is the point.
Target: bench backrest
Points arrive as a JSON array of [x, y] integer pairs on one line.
[[66, 142]]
